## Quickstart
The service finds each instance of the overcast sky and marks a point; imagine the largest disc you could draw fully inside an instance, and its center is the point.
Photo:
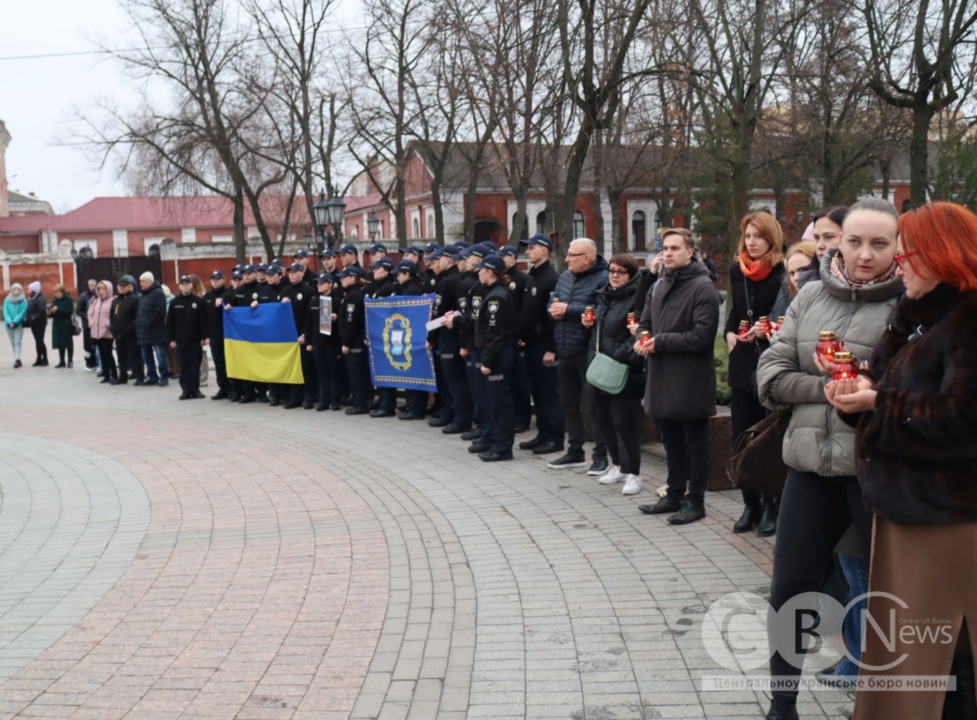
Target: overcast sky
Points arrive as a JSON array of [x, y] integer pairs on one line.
[[38, 94]]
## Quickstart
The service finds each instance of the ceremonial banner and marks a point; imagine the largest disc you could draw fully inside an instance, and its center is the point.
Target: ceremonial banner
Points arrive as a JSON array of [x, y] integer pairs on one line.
[[396, 330], [261, 344]]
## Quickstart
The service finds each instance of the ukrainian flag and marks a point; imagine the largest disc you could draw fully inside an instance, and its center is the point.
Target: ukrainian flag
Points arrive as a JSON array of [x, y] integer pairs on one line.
[[261, 344]]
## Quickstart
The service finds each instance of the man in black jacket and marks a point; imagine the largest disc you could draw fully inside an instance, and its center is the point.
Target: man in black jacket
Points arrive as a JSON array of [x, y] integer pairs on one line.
[[244, 293], [125, 305], [186, 328], [536, 336], [326, 349], [520, 385], [308, 275], [151, 330], [214, 308], [456, 407], [81, 308], [299, 294]]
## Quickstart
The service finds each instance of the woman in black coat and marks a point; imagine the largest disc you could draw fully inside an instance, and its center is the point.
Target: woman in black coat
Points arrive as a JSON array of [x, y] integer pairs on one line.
[[755, 282], [613, 333], [36, 320]]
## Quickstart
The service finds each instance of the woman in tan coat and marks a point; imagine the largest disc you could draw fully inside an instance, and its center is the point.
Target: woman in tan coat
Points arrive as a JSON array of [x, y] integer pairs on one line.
[[916, 409]]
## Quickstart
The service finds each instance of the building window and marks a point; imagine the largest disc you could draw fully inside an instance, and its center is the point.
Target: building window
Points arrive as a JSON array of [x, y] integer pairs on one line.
[[579, 227], [541, 222], [639, 231], [417, 228], [380, 230], [430, 227], [354, 231]]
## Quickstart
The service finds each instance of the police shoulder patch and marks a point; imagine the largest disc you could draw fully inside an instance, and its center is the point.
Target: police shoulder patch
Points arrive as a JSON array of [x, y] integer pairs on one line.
[[512, 285], [493, 306]]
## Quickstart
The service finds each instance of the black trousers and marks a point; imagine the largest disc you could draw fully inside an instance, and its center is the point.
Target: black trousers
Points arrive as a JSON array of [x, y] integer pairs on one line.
[[544, 385], [815, 512], [220, 362], [443, 398], [687, 455], [388, 399], [576, 397], [620, 422], [416, 402], [189, 356], [108, 361], [460, 406], [71, 353], [130, 358], [88, 343], [308, 391], [478, 389], [521, 405], [358, 369], [39, 346], [328, 359], [746, 411], [498, 388]]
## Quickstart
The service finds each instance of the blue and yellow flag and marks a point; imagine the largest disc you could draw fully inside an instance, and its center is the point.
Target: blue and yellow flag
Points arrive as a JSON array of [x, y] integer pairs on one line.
[[396, 327], [261, 344]]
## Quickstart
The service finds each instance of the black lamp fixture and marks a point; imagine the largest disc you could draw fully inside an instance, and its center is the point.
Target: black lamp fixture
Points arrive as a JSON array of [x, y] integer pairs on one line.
[[74, 254], [308, 240], [373, 223], [329, 212]]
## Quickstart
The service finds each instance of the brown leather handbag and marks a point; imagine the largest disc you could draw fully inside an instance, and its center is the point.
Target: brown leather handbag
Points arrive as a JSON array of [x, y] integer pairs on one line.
[[757, 461]]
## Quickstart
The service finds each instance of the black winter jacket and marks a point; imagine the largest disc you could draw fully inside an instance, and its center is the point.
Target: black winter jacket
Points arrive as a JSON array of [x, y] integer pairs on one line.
[[536, 325], [186, 319], [494, 322], [352, 317], [214, 309], [915, 451], [445, 301], [616, 341], [151, 317], [760, 297], [469, 310], [298, 297], [682, 314], [36, 311], [123, 316], [578, 291]]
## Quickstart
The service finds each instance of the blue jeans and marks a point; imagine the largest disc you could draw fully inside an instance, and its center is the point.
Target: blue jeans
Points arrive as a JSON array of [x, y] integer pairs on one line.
[[856, 573], [151, 362]]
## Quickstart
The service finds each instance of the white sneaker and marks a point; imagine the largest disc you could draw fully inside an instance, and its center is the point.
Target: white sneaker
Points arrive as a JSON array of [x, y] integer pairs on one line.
[[632, 486], [613, 475]]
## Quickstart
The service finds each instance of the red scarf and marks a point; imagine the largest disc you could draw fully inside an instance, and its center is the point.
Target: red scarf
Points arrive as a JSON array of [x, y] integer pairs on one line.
[[756, 270]]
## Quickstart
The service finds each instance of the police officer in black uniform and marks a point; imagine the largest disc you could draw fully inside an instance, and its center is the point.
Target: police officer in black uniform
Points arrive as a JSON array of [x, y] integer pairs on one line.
[[271, 291], [327, 260], [520, 386], [470, 293], [326, 349], [261, 274], [308, 275], [352, 332], [186, 329], [409, 284], [536, 332], [213, 301], [383, 286], [298, 294], [448, 342], [430, 274], [244, 295]]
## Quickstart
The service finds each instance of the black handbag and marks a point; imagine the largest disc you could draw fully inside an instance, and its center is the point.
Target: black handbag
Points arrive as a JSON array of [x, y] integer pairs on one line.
[[757, 461]]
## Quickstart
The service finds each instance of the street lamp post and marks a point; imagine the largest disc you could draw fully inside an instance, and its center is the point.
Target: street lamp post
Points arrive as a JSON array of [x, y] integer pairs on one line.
[[373, 223], [329, 212]]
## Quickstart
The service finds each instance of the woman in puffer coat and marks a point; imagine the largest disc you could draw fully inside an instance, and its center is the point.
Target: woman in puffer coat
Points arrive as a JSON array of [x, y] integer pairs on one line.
[[99, 321], [620, 415], [822, 498], [915, 406]]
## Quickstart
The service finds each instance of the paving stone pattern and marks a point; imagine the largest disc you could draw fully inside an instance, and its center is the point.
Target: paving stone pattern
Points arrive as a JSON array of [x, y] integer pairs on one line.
[[166, 559]]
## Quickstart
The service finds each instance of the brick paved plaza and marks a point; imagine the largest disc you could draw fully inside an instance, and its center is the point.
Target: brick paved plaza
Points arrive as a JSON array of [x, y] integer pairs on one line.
[[166, 559]]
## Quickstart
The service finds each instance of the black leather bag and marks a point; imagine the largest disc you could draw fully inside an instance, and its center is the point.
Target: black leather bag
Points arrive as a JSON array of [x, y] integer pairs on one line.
[[757, 461]]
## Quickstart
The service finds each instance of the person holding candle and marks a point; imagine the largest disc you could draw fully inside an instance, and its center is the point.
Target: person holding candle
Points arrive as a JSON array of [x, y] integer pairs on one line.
[[611, 334], [755, 281], [821, 497], [915, 407]]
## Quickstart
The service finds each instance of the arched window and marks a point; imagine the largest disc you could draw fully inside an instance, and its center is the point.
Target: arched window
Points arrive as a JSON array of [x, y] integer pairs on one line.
[[430, 227], [579, 226], [541, 222], [379, 231], [639, 231], [417, 228]]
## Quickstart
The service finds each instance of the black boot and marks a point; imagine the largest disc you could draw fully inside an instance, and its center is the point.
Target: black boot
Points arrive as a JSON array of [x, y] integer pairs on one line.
[[960, 704], [768, 523], [782, 707], [749, 519]]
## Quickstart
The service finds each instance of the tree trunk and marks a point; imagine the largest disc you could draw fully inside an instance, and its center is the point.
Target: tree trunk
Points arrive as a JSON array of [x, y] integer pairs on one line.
[[470, 205], [598, 190], [619, 240], [919, 153], [521, 219], [240, 232], [740, 199], [884, 166], [438, 209]]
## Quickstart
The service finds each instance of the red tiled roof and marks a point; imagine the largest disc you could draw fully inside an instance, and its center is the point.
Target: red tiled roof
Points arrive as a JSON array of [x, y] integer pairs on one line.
[[27, 224], [357, 203]]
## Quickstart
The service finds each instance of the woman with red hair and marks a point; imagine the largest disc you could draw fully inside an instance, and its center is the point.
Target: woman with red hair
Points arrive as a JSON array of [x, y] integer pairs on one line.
[[915, 407]]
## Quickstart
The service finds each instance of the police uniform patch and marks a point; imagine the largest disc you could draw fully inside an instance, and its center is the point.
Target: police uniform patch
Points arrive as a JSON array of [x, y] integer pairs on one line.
[[254, 296], [476, 302], [437, 299], [534, 292], [462, 303], [512, 285], [299, 296], [350, 308], [493, 306]]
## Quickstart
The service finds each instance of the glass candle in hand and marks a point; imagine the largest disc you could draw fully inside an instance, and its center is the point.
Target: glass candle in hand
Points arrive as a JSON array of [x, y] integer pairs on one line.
[[632, 319], [744, 331], [844, 367], [645, 338], [780, 323], [588, 313], [767, 325], [827, 345]]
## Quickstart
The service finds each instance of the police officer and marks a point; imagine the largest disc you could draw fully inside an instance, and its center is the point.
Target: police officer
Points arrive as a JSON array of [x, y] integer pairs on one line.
[[383, 286], [409, 284], [271, 291], [213, 301], [349, 256], [298, 294], [261, 274], [352, 332], [244, 295], [536, 332], [493, 340], [448, 342], [520, 386], [327, 259], [472, 291], [430, 274], [326, 349], [308, 276], [186, 329]]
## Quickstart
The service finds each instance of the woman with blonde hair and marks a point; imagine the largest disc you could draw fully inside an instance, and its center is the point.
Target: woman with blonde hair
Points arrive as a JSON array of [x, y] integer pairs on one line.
[[200, 291], [755, 280]]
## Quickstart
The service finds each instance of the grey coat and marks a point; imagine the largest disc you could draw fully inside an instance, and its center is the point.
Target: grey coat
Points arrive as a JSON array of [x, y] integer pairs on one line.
[[817, 440], [682, 314]]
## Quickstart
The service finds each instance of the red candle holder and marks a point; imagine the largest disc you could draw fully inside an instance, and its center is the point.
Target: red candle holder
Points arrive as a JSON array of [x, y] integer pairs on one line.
[[744, 331], [588, 313], [828, 345], [767, 325], [844, 367]]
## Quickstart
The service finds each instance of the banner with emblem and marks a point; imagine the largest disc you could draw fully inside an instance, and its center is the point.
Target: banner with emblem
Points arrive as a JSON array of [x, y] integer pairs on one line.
[[396, 328]]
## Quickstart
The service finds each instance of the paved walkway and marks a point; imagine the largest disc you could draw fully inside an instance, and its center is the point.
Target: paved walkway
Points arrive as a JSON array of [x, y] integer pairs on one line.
[[165, 559]]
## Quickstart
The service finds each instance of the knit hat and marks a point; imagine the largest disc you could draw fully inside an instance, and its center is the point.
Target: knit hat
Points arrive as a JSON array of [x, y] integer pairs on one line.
[[34, 287], [147, 277]]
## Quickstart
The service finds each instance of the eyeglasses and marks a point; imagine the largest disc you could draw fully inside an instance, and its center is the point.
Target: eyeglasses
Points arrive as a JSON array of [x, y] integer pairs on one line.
[[901, 258], [570, 255], [617, 272]]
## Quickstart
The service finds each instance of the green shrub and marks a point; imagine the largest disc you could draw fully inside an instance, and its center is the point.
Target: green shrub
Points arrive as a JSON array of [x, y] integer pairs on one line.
[[723, 394]]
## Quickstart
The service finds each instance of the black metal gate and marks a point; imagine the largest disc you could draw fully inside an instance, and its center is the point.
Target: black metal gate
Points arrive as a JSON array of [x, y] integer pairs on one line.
[[115, 267]]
